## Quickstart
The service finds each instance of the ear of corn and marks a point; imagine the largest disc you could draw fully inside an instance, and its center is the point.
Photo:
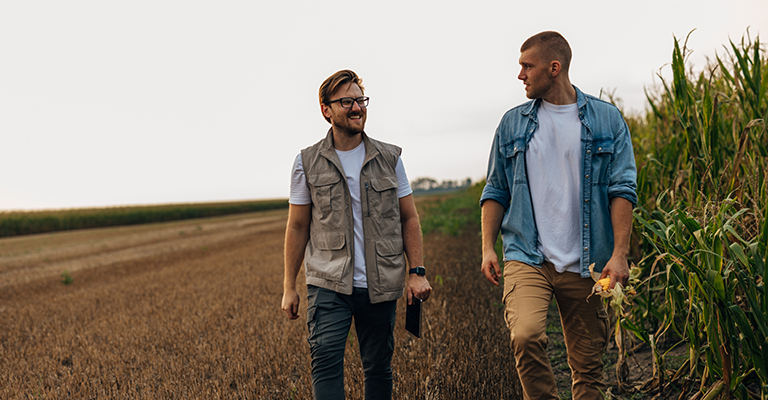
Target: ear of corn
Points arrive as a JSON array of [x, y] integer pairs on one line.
[[616, 297]]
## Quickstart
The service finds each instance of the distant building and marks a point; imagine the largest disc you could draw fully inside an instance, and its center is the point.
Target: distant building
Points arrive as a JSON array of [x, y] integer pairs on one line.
[[430, 185]]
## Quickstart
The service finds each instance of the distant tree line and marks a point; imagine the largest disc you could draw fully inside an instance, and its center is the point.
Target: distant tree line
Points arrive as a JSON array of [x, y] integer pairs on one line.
[[425, 184]]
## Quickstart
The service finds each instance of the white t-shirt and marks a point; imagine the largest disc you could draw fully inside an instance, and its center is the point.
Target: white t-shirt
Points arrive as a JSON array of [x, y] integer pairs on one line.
[[554, 175], [352, 162]]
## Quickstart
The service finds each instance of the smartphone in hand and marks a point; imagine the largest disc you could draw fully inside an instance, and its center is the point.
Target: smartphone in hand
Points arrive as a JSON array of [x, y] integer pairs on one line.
[[413, 317]]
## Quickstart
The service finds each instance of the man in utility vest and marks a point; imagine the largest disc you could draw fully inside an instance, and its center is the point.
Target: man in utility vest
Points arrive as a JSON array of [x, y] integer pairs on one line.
[[352, 221]]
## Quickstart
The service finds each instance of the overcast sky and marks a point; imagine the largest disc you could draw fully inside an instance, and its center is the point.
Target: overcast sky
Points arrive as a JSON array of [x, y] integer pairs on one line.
[[108, 103]]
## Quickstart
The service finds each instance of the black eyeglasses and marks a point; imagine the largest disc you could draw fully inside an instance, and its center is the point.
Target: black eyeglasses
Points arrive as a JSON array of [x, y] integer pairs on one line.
[[346, 102]]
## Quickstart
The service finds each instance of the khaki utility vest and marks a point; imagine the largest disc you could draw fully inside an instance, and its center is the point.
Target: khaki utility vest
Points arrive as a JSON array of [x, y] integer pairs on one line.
[[329, 256]]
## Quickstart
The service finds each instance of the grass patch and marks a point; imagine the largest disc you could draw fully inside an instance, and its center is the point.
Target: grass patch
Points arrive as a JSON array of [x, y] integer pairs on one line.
[[451, 214]]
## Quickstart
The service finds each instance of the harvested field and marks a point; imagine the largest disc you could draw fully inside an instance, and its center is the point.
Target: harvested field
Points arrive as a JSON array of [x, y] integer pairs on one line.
[[192, 310]]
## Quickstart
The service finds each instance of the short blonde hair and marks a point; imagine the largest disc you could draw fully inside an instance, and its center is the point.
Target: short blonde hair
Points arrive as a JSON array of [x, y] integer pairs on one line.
[[552, 46], [333, 82]]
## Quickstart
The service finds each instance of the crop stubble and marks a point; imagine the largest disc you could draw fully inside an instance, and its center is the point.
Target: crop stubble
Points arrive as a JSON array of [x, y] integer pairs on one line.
[[192, 310]]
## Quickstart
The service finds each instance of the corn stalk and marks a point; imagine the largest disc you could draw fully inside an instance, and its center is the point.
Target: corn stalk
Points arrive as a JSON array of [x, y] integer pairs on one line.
[[701, 224]]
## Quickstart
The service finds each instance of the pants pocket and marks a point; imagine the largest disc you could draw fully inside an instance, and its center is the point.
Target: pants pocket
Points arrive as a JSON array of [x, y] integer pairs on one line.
[[510, 304], [312, 298], [602, 326]]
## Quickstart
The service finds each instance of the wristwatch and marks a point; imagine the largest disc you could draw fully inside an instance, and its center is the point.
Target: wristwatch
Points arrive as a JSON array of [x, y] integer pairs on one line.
[[420, 271]]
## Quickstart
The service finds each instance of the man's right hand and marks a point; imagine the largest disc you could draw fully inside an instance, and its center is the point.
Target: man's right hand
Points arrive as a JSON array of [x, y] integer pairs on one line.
[[296, 238], [490, 267], [492, 214], [291, 303]]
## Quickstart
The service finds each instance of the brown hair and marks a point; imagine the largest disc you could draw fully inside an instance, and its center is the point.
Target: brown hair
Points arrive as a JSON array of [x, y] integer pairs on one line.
[[552, 46], [333, 82]]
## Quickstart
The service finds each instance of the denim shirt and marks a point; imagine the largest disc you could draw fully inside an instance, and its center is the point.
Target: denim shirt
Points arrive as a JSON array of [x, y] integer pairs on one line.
[[607, 171]]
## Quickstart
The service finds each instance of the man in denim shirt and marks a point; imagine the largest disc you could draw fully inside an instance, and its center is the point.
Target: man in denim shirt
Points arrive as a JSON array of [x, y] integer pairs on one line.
[[560, 187]]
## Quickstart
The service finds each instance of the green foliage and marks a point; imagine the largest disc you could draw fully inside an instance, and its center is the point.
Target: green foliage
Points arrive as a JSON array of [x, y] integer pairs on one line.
[[705, 137], [25, 223], [450, 214], [701, 234], [66, 278]]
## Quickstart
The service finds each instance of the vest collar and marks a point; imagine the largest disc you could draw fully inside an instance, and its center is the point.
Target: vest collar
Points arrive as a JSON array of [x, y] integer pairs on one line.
[[328, 151]]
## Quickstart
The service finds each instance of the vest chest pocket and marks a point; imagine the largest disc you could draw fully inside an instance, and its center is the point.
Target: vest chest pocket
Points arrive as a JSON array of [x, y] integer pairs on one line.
[[382, 197], [326, 191]]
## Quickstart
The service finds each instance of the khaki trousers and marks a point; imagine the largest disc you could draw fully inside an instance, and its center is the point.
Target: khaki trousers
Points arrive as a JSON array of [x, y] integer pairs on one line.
[[528, 291]]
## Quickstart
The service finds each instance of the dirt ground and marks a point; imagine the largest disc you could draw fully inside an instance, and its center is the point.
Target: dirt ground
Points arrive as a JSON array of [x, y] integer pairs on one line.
[[153, 311], [639, 364], [191, 310]]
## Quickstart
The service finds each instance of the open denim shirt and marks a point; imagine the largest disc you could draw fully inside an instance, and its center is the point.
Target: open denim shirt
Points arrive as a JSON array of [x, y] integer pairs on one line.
[[607, 171]]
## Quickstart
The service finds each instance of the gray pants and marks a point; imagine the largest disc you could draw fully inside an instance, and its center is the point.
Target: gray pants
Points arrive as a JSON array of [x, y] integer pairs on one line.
[[329, 317]]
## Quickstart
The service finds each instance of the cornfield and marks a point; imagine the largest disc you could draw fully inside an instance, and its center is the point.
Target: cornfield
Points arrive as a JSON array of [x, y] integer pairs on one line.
[[701, 236]]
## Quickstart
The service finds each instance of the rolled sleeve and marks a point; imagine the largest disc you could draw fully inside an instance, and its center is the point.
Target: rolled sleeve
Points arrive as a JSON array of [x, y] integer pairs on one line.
[[624, 174], [496, 187], [495, 194]]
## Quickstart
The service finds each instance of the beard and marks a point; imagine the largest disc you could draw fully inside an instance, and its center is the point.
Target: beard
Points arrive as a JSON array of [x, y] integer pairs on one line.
[[539, 89], [349, 127]]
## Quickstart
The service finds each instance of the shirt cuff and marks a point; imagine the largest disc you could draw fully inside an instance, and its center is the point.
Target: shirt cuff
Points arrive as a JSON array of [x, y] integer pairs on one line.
[[498, 195]]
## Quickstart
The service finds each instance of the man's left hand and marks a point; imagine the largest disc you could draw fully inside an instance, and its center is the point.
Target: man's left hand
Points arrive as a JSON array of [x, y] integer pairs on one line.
[[418, 286], [618, 269]]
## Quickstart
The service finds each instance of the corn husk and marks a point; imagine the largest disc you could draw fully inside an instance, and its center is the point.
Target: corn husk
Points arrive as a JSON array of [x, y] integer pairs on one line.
[[617, 296]]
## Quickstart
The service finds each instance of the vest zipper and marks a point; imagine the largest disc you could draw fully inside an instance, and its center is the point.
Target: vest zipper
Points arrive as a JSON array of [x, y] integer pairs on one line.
[[367, 200]]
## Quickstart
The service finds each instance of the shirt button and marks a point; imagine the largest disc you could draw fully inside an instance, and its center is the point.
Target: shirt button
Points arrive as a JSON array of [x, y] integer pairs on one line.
[[586, 200], [586, 225], [586, 248], [599, 148], [589, 151], [587, 176]]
